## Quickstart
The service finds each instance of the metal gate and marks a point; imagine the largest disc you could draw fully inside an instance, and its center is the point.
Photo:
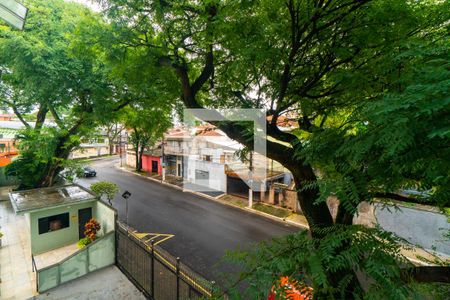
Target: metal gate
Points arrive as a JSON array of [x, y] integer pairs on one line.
[[159, 275]]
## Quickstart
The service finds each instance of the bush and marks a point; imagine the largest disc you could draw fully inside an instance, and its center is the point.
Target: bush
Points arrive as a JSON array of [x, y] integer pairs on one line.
[[83, 242]]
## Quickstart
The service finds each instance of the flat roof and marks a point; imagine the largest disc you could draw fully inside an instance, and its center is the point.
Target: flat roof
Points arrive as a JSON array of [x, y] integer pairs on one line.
[[37, 199]]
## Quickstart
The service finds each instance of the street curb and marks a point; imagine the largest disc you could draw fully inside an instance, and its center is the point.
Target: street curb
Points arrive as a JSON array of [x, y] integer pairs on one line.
[[216, 199], [96, 158]]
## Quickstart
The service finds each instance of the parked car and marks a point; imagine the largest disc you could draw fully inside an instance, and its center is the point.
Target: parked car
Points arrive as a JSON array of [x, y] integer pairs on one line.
[[89, 172]]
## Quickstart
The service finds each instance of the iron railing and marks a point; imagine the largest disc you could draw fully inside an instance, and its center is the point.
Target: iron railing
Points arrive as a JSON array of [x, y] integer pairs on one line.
[[158, 274]]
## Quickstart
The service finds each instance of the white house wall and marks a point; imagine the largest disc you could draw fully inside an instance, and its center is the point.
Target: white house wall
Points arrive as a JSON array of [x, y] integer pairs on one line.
[[217, 178]]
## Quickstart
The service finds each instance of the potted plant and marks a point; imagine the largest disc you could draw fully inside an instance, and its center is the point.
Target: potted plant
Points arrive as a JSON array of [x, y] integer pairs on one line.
[[90, 231]]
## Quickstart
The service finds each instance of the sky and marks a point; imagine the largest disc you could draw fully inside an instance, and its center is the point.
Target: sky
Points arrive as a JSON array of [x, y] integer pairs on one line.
[[89, 3]]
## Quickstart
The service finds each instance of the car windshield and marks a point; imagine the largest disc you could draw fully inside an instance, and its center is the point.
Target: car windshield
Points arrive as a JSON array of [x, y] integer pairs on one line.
[[88, 169]]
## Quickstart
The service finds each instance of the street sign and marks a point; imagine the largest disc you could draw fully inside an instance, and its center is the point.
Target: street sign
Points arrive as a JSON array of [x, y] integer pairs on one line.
[[13, 13], [126, 195]]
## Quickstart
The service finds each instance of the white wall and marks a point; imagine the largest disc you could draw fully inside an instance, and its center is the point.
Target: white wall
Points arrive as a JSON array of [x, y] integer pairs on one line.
[[131, 159], [217, 178], [90, 152], [105, 216]]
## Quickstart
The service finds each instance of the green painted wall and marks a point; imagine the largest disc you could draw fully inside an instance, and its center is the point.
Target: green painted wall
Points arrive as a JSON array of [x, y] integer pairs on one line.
[[105, 217], [66, 236]]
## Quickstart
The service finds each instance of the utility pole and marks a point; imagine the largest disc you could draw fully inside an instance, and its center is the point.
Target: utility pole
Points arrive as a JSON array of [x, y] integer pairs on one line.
[[250, 181], [120, 150], [163, 161], [121, 146]]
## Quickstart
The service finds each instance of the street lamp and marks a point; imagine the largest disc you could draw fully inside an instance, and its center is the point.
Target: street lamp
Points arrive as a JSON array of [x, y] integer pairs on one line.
[[125, 196]]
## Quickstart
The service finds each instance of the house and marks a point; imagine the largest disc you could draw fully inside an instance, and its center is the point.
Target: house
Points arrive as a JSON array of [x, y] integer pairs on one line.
[[56, 215], [54, 221], [8, 148], [177, 144], [151, 160], [8, 132]]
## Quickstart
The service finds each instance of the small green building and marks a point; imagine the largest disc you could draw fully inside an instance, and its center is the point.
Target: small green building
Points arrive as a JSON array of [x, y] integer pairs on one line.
[[57, 215]]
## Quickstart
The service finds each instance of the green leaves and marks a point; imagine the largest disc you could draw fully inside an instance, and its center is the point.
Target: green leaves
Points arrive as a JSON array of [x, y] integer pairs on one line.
[[105, 188], [36, 152], [342, 250]]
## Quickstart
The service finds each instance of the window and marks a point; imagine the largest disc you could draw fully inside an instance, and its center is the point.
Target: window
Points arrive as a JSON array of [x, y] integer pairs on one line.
[[207, 157], [53, 223]]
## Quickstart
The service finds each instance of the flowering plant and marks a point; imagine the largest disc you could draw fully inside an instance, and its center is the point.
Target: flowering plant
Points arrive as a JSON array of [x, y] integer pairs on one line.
[[290, 289], [91, 228]]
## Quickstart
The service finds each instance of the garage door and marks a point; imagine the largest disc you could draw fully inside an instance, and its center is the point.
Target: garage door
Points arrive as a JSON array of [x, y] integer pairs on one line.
[[202, 177]]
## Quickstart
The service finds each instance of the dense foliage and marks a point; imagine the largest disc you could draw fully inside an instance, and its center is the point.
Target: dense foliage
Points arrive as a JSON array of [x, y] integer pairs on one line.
[[366, 80], [68, 91], [105, 188], [356, 75]]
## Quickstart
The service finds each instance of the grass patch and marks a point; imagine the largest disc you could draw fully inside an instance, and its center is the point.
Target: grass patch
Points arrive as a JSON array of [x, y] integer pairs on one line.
[[234, 200], [272, 210]]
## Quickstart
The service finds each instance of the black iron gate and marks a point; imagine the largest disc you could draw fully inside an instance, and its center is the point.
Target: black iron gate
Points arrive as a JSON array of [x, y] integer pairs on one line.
[[159, 275]]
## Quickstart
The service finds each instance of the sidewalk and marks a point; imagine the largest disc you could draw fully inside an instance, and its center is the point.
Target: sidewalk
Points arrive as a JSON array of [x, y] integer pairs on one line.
[[17, 278], [107, 283], [416, 255]]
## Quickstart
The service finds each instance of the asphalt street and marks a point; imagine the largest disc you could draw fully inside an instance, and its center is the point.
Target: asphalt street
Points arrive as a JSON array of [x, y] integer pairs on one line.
[[203, 229]]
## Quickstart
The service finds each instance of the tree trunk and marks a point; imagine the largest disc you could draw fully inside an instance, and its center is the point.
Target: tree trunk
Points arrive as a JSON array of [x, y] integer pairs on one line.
[[136, 155], [62, 153], [141, 152], [111, 146]]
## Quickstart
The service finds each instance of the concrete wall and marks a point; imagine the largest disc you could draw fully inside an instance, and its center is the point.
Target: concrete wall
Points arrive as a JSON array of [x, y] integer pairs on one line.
[[52, 240], [131, 159], [105, 216], [418, 226], [217, 177], [90, 151]]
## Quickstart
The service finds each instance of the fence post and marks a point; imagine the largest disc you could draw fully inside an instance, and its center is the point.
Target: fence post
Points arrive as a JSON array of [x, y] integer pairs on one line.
[[178, 278], [153, 269]]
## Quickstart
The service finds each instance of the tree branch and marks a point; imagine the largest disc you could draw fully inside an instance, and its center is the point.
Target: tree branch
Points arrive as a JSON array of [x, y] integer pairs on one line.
[[398, 197], [55, 115]]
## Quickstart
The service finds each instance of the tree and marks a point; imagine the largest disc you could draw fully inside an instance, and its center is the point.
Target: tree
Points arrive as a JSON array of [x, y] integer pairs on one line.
[[147, 125], [329, 63], [41, 69], [114, 131], [105, 188]]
